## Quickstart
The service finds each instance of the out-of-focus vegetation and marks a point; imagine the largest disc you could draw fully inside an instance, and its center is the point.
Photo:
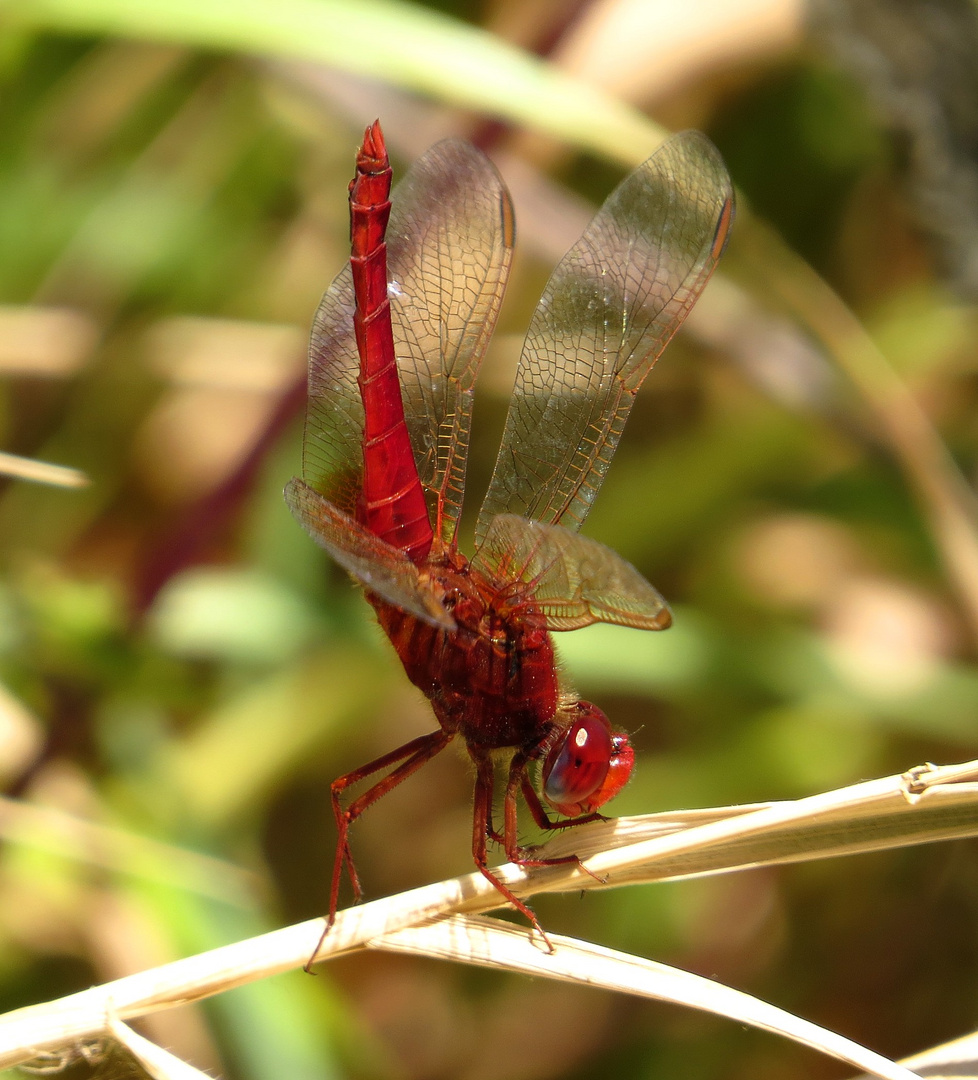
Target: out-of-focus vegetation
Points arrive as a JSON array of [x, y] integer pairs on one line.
[[183, 673]]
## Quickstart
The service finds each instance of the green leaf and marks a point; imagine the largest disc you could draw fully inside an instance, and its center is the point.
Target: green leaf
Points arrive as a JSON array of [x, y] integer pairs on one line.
[[412, 47]]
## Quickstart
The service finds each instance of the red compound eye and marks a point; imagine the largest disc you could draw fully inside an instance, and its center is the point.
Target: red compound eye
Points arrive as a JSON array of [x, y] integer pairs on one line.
[[589, 765]]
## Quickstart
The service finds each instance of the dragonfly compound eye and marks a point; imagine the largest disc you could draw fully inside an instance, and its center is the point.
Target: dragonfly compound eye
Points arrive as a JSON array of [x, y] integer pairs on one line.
[[576, 769]]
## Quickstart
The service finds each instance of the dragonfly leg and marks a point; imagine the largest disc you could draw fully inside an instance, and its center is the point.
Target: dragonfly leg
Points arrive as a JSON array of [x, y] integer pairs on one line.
[[540, 816], [411, 756], [482, 830], [491, 832], [543, 821]]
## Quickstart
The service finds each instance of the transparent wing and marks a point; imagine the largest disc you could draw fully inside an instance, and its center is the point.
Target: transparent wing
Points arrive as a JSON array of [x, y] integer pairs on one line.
[[449, 245], [449, 265], [383, 569], [575, 580], [608, 311]]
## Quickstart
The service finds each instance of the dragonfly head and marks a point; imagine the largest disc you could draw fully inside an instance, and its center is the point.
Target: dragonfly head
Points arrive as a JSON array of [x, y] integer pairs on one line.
[[588, 765]]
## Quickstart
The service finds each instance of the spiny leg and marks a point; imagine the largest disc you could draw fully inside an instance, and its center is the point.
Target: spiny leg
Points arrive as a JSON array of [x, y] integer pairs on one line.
[[539, 815], [412, 756], [416, 753], [481, 829]]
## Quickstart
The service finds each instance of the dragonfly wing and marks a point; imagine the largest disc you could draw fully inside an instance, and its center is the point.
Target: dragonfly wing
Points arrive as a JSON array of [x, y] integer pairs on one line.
[[449, 241], [608, 311], [377, 565], [332, 453], [575, 581], [450, 244]]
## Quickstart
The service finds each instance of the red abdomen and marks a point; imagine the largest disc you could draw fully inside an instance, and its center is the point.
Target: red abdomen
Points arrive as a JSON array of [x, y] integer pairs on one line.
[[493, 678], [392, 502]]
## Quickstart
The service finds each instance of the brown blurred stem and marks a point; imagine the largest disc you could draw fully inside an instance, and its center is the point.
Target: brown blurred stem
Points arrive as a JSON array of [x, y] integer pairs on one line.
[[181, 545], [948, 501]]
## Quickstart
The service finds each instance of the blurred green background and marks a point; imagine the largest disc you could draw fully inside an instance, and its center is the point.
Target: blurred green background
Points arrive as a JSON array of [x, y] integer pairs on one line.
[[183, 672]]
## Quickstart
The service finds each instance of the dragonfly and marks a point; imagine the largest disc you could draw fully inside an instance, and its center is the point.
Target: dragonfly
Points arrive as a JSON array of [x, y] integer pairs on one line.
[[395, 348]]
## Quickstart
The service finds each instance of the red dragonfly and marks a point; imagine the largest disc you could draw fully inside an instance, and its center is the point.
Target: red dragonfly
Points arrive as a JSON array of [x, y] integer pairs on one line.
[[396, 345]]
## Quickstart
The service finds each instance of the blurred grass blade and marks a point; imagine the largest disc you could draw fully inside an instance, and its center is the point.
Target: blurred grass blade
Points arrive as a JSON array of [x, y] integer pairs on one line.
[[946, 496], [489, 943], [418, 49], [62, 836], [42, 472]]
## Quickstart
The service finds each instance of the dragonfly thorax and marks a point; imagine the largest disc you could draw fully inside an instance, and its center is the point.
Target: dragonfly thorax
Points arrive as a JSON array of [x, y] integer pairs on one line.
[[492, 679]]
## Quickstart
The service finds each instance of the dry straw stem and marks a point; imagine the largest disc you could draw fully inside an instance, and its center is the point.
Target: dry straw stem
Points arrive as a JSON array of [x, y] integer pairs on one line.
[[926, 804], [955, 1060], [160, 1064]]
